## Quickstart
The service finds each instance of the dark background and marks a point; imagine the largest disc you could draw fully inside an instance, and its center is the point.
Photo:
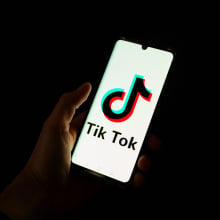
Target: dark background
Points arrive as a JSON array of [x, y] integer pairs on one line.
[[42, 57]]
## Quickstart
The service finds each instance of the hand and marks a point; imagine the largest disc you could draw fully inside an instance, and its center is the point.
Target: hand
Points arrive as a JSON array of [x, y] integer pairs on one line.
[[45, 187]]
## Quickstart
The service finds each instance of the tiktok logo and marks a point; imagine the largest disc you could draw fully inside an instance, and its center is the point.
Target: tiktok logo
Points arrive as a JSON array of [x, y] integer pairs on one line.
[[137, 89]]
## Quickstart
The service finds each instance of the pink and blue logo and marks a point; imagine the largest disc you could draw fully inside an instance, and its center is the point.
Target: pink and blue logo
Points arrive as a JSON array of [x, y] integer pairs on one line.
[[137, 89]]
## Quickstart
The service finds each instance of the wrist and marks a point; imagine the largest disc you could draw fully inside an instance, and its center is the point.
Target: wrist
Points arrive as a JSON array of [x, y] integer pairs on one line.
[[25, 199]]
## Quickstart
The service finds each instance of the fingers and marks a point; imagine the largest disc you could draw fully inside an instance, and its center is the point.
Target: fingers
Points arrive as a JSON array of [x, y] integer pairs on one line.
[[144, 162], [144, 167], [139, 180], [154, 143]]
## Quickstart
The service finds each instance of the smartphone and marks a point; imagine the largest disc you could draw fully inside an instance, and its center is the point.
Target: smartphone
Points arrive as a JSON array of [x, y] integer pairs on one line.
[[118, 120]]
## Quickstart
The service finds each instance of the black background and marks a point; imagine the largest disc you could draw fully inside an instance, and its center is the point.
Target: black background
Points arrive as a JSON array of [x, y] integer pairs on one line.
[[46, 54]]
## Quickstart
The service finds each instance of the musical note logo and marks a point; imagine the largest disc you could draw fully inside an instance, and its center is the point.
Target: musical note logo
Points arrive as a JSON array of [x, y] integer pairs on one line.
[[137, 89]]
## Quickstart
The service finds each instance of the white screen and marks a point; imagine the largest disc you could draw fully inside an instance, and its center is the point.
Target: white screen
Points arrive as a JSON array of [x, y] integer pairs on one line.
[[108, 145]]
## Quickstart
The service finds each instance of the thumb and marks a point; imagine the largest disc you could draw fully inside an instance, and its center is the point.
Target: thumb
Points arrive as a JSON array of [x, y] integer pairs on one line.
[[69, 102]]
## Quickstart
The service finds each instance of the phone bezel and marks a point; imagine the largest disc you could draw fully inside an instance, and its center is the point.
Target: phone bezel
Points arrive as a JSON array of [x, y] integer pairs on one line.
[[87, 173]]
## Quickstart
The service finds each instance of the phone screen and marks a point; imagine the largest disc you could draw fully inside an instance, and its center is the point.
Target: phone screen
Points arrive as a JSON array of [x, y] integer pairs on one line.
[[120, 115]]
